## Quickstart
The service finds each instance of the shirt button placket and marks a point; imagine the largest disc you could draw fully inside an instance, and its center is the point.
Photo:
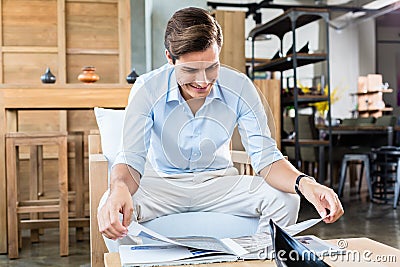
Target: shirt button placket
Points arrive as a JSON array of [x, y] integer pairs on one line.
[[196, 142]]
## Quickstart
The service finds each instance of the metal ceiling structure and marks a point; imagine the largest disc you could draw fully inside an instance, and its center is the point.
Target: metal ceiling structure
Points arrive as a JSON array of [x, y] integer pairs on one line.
[[342, 12]]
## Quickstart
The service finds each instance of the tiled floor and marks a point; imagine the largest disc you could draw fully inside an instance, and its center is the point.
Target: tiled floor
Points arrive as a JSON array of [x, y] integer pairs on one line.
[[361, 219], [46, 252]]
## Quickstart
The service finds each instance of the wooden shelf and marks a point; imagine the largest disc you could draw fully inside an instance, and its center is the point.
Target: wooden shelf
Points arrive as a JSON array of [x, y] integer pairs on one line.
[[305, 142], [374, 110], [29, 49], [83, 51], [304, 99], [57, 86], [373, 92], [286, 63], [71, 97], [283, 24], [258, 60]]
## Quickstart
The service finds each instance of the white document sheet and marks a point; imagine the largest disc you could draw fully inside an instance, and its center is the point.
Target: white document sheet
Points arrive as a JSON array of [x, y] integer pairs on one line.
[[167, 255], [197, 249]]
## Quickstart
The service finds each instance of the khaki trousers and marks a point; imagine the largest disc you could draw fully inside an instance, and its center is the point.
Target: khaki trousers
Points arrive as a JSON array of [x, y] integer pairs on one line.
[[223, 191]]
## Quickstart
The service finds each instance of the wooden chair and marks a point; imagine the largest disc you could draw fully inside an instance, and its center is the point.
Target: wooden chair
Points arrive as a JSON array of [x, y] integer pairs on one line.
[[309, 155], [98, 182], [16, 206], [77, 196]]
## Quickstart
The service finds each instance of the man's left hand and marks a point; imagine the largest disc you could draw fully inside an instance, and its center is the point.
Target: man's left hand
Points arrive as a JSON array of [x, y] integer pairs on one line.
[[324, 199]]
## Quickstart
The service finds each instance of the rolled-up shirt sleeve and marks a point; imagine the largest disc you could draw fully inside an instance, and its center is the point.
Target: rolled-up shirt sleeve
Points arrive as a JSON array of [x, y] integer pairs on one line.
[[253, 128], [136, 131]]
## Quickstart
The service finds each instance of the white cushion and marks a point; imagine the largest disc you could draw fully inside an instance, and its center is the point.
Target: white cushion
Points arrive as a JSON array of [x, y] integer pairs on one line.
[[110, 123]]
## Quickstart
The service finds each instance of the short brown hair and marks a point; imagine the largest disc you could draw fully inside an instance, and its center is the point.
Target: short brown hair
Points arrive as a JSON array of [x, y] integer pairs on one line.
[[191, 29]]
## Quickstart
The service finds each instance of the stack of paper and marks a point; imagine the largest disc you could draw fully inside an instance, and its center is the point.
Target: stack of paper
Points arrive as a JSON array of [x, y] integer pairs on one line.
[[195, 249]]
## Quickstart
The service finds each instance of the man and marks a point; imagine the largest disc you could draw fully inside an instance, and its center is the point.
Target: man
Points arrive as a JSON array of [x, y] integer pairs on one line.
[[181, 117]]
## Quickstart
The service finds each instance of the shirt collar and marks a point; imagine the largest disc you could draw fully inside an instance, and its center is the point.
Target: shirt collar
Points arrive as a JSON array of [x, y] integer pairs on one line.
[[215, 92], [173, 89], [174, 94]]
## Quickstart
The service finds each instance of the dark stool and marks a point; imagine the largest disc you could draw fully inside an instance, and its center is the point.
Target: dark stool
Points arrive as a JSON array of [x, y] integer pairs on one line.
[[364, 159], [386, 174]]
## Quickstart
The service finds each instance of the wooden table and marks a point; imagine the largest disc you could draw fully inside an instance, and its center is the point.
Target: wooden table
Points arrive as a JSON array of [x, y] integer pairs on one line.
[[48, 97], [361, 252], [361, 129]]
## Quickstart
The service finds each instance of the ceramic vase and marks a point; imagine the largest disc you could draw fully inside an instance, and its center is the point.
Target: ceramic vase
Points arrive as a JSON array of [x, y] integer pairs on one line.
[[131, 78], [48, 77], [88, 75]]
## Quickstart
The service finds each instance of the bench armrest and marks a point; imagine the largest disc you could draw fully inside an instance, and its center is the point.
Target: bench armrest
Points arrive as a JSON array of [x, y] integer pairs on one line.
[[98, 183]]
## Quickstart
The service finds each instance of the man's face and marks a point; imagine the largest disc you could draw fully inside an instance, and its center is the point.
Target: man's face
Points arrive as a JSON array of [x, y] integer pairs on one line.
[[197, 72]]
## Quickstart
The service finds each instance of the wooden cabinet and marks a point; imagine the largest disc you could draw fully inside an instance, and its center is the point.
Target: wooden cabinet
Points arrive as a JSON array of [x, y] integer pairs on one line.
[[64, 35], [270, 90], [233, 29], [270, 95]]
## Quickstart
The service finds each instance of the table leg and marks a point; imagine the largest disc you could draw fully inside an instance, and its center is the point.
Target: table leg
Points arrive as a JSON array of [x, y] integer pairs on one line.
[[390, 135], [8, 122], [321, 158], [3, 192], [321, 175]]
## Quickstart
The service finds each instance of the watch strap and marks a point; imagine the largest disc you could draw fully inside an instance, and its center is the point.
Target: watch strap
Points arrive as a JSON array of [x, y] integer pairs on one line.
[[297, 184]]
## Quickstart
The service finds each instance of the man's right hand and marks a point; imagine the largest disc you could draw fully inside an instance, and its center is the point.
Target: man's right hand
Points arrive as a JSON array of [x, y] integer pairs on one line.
[[118, 201]]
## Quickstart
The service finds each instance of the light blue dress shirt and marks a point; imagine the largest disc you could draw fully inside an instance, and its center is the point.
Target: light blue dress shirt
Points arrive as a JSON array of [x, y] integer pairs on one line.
[[160, 125]]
